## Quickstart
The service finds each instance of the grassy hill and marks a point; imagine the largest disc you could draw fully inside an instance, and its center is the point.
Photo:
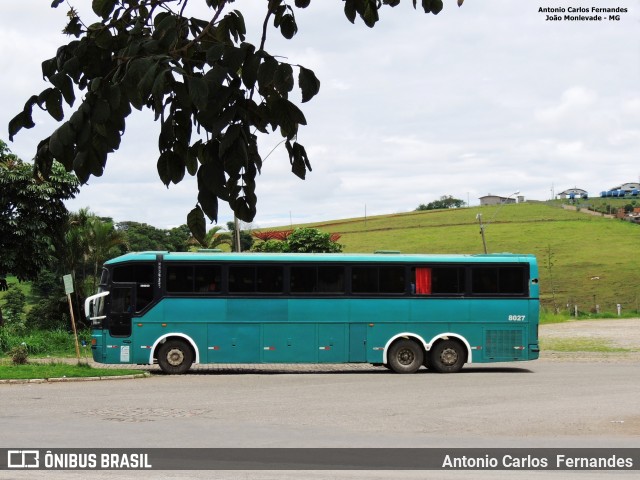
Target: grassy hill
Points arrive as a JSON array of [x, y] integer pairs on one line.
[[584, 259]]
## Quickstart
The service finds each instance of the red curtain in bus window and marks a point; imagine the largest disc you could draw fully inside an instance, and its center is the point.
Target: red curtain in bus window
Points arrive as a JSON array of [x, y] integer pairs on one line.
[[423, 281]]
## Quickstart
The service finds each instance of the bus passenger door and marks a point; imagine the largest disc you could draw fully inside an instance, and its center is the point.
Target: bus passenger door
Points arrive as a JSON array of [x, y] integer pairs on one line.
[[118, 341]]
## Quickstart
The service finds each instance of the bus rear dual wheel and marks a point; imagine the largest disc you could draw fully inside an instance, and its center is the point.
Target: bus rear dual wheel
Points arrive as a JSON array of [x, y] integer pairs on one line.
[[175, 357], [406, 356]]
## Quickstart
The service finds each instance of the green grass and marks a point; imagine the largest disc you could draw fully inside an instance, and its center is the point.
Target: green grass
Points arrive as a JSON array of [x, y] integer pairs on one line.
[[594, 259], [587, 345], [42, 343], [55, 370]]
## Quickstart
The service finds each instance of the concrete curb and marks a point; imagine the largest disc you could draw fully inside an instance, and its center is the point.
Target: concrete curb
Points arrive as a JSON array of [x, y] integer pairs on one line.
[[72, 379]]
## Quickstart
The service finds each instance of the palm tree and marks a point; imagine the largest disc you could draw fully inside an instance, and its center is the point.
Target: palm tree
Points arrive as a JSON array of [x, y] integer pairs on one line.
[[213, 239], [103, 241]]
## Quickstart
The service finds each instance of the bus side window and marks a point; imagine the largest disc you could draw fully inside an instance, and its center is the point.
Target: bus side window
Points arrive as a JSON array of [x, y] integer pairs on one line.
[[330, 279], [499, 280], [207, 278], [242, 279], [303, 279], [269, 279], [446, 280], [322, 279], [179, 279]]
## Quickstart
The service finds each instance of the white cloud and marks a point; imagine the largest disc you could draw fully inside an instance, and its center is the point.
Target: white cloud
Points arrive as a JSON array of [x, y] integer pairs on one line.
[[576, 101]]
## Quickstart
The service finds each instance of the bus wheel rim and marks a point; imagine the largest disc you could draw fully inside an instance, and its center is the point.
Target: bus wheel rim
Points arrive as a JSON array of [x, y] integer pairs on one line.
[[175, 357], [449, 356], [406, 356]]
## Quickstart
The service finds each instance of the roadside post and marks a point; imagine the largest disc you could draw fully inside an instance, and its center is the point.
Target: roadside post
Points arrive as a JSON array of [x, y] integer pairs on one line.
[[68, 290]]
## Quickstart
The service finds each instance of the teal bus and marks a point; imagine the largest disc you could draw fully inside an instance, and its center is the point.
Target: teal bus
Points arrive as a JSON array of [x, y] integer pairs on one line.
[[400, 311]]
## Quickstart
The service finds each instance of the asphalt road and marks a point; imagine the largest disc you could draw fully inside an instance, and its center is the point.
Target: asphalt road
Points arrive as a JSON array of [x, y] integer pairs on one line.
[[535, 404]]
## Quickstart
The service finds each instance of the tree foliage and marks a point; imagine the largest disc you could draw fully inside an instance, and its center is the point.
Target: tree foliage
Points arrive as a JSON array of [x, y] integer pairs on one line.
[[32, 214], [209, 88], [143, 237], [300, 240], [443, 203]]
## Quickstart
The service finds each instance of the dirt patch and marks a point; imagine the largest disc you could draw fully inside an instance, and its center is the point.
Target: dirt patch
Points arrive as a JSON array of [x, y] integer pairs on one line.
[[614, 333]]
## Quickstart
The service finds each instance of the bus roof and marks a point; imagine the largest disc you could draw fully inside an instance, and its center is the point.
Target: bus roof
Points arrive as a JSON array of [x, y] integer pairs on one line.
[[385, 257]]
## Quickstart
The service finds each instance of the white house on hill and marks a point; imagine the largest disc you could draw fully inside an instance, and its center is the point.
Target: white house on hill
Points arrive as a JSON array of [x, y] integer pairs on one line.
[[573, 193]]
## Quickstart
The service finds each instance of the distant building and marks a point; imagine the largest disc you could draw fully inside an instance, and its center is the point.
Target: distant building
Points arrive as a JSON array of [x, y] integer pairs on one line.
[[632, 188], [627, 187], [573, 193], [497, 200]]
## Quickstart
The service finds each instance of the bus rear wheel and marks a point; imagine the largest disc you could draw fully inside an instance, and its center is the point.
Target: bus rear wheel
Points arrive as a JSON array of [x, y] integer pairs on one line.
[[448, 356], [175, 357], [405, 356]]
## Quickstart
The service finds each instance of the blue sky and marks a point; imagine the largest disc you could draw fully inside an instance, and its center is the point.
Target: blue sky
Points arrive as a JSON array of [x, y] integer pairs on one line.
[[487, 98]]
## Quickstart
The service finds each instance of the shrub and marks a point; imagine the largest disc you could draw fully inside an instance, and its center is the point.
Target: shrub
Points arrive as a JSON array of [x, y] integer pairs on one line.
[[311, 240], [13, 310], [19, 355], [50, 314], [271, 245]]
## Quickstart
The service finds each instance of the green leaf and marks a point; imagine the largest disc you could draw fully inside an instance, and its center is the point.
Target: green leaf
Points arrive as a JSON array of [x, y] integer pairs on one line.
[[288, 27], [80, 166], [350, 10], [232, 134], [283, 78], [103, 38], [56, 146], [170, 168], [103, 8], [267, 71], [211, 178], [145, 85], [54, 104], [49, 67], [299, 159], [302, 3], [23, 119], [287, 116], [198, 92], [197, 224], [370, 15], [214, 54], [436, 6], [233, 58], [72, 68], [209, 204], [250, 70], [97, 160], [100, 112], [309, 84], [63, 83], [236, 157]]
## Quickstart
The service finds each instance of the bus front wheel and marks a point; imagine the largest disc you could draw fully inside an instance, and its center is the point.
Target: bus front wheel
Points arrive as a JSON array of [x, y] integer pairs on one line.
[[448, 356], [405, 356], [175, 357]]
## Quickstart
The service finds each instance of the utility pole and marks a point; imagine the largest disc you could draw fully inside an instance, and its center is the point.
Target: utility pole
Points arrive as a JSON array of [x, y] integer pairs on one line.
[[484, 242], [236, 234]]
